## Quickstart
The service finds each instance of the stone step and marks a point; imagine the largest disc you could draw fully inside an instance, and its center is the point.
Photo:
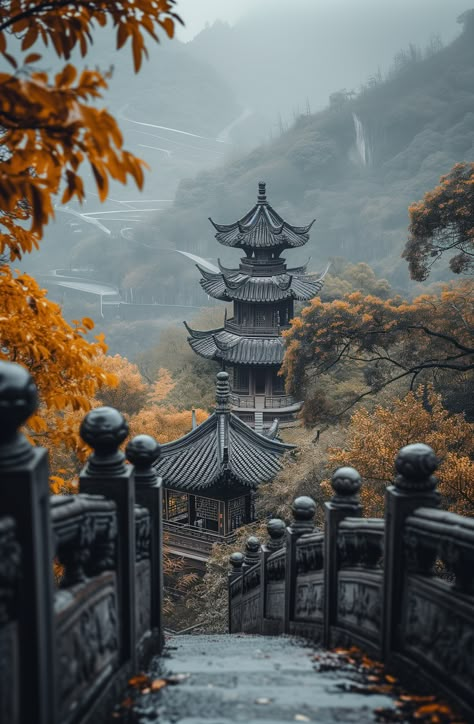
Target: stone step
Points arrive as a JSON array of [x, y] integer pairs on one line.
[[244, 678]]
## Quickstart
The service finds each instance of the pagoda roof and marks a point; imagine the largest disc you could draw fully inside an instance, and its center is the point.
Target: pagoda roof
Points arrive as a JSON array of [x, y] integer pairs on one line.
[[222, 450], [220, 344], [261, 228], [235, 284]]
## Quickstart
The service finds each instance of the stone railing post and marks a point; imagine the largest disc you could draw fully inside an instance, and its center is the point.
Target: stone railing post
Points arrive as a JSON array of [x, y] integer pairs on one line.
[[346, 484], [304, 510], [252, 552], [236, 561], [24, 495], [107, 474], [142, 452], [276, 530], [414, 487]]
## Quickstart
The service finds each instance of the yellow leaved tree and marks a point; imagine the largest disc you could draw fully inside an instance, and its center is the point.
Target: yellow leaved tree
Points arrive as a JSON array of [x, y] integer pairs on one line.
[[51, 133], [374, 439]]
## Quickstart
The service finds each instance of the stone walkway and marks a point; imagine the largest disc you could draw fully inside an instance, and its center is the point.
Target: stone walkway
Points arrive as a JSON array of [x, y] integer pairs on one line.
[[249, 679]]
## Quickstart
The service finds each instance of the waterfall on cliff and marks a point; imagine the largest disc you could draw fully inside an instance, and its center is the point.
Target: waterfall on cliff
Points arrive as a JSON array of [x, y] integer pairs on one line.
[[362, 143]]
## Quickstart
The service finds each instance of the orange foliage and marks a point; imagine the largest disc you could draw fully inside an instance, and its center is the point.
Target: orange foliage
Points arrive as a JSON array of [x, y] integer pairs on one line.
[[130, 393], [66, 368], [49, 132], [162, 386], [164, 423], [443, 222], [48, 129], [392, 339], [375, 437]]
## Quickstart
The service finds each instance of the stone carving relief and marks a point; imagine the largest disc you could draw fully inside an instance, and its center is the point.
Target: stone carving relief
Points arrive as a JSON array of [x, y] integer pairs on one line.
[[359, 604], [250, 612], [309, 600], [439, 631], [87, 642], [143, 589], [275, 601]]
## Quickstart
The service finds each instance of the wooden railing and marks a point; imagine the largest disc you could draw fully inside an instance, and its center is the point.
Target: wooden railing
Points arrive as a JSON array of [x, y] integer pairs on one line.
[[72, 634], [370, 582], [253, 331]]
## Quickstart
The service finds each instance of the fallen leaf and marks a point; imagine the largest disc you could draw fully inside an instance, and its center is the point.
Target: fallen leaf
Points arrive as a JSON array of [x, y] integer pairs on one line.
[[158, 684], [139, 680]]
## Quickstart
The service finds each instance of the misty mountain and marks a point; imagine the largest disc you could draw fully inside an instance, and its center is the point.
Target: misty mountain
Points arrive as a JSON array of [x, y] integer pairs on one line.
[[355, 166]]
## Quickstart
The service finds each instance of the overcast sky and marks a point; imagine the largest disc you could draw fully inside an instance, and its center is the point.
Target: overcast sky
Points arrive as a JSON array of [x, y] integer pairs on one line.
[[196, 13]]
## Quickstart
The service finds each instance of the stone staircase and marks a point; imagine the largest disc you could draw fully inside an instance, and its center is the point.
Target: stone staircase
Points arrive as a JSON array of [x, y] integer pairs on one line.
[[245, 678], [259, 421]]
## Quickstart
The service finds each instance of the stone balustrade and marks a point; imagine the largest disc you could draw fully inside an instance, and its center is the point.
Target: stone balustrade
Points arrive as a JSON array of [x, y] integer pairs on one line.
[[399, 587]]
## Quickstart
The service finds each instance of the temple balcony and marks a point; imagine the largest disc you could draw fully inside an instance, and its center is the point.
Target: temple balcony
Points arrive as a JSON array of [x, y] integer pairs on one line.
[[251, 331]]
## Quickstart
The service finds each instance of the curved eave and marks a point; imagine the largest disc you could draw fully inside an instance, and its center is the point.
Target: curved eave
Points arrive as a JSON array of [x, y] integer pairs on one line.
[[235, 349], [265, 289], [196, 334], [193, 463], [262, 227]]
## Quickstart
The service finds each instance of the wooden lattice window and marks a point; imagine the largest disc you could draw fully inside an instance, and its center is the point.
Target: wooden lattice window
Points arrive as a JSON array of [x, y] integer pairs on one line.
[[260, 318], [177, 506], [207, 508], [236, 513], [241, 379]]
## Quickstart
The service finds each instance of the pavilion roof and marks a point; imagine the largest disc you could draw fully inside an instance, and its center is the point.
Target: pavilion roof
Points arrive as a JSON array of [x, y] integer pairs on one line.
[[237, 285], [220, 344], [221, 450], [262, 228]]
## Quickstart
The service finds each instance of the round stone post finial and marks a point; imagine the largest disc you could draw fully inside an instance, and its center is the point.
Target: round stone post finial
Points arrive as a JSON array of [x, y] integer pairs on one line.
[[346, 483], [18, 401], [236, 561], [142, 451], [276, 529], [304, 510], [104, 429], [415, 465], [252, 551]]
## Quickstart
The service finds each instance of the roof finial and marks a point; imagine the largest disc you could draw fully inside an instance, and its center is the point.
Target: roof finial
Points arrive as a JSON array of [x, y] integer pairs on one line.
[[262, 197], [193, 419], [222, 392]]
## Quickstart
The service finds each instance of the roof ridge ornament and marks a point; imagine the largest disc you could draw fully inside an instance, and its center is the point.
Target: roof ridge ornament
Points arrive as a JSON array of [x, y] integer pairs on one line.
[[262, 196], [222, 393]]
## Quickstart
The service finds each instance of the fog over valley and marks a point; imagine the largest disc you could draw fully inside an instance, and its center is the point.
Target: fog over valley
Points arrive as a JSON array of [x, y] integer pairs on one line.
[[349, 111]]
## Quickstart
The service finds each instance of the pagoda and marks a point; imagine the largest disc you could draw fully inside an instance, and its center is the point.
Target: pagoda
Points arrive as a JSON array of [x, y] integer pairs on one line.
[[263, 292], [210, 476]]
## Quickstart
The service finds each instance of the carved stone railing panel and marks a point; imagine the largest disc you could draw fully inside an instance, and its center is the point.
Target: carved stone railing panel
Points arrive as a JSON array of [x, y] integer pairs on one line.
[[10, 562], [359, 603], [310, 553], [142, 573], [85, 531], [359, 580], [437, 633], [142, 533], [431, 534], [88, 638], [275, 588], [251, 599], [309, 587], [88, 642], [360, 543]]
